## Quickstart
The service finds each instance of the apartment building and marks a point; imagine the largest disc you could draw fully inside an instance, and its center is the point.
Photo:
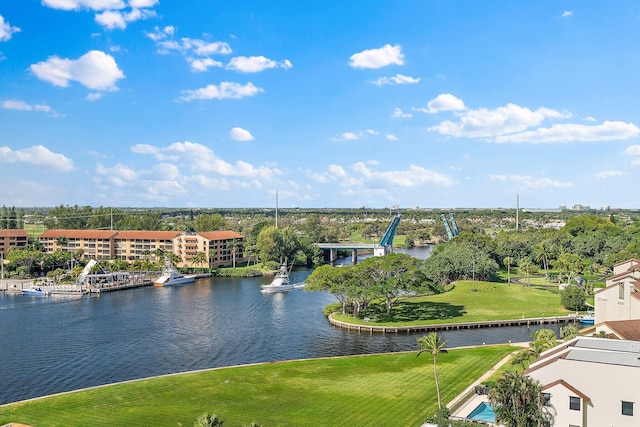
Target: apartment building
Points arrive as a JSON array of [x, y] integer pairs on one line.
[[220, 247], [96, 244], [140, 244], [12, 239]]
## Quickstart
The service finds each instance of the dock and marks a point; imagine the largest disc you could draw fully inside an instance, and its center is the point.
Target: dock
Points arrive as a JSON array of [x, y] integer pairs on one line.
[[528, 322]]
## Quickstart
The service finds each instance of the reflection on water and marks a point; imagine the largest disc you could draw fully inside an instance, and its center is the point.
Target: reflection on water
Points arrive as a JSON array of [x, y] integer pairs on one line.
[[52, 345]]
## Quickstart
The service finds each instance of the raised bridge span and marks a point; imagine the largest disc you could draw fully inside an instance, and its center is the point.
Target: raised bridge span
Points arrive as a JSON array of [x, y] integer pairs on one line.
[[379, 249]]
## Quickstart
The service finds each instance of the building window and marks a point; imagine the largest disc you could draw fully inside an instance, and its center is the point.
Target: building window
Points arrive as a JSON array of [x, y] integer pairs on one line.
[[546, 399], [621, 291], [627, 408], [574, 403]]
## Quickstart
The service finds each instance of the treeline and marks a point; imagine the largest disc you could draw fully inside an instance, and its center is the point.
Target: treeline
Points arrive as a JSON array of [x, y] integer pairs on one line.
[[11, 218]]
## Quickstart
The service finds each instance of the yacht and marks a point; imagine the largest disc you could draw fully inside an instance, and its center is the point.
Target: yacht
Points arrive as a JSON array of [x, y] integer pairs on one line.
[[171, 276], [35, 291], [280, 281]]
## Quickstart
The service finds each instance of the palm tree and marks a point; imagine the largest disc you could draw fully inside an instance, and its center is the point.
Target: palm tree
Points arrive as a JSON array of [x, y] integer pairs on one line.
[[518, 401], [234, 246], [508, 261], [525, 265], [433, 344], [542, 253], [200, 259]]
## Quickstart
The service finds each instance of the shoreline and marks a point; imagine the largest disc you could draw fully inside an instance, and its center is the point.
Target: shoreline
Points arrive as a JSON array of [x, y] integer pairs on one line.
[[384, 329], [80, 390]]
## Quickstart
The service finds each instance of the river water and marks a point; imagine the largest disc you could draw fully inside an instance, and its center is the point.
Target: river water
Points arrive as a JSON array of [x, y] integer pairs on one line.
[[55, 344]]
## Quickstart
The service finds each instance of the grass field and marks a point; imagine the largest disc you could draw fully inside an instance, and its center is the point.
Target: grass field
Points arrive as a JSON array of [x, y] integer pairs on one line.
[[470, 302], [378, 390]]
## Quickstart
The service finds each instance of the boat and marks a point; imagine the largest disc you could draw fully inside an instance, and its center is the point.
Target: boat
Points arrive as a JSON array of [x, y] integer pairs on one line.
[[588, 318], [35, 291], [280, 282], [171, 276]]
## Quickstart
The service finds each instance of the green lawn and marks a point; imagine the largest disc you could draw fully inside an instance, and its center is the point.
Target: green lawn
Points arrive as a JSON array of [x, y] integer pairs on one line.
[[469, 302], [378, 390]]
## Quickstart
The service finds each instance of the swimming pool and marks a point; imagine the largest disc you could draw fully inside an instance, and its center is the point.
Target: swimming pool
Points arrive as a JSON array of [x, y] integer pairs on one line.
[[483, 412]]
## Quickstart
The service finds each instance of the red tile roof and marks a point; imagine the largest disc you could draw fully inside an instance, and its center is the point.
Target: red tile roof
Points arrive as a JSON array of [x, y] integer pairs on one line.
[[625, 329], [146, 234], [17, 232], [78, 234], [221, 235]]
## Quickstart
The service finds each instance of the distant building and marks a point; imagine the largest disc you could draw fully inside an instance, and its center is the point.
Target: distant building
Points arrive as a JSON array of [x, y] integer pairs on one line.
[[590, 381], [220, 247], [12, 239]]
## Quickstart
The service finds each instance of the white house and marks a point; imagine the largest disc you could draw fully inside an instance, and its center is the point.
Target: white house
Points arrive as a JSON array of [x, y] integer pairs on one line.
[[620, 299], [591, 382]]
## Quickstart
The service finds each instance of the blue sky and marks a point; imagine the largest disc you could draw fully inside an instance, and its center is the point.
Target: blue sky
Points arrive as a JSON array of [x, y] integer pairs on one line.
[[424, 103]]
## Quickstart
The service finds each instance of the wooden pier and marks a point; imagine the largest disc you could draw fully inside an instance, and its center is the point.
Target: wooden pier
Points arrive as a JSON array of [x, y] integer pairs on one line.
[[452, 326]]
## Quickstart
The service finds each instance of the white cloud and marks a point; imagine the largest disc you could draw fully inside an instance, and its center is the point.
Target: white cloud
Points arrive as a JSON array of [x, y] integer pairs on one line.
[[362, 178], [391, 137], [255, 64], [6, 30], [485, 123], [443, 102], [160, 34], [15, 104], [112, 19], [141, 4], [412, 177], [85, 4], [351, 136], [111, 14], [120, 175], [188, 46], [377, 58], [37, 155], [567, 13], [633, 150], [239, 134], [398, 114], [398, 79], [225, 90], [95, 70], [532, 182], [203, 160], [201, 65], [609, 174], [608, 131], [94, 96]]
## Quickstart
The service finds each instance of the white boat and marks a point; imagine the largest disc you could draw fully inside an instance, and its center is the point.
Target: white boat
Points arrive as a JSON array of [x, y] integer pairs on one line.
[[280, 282], [171, 276], [35, 291]]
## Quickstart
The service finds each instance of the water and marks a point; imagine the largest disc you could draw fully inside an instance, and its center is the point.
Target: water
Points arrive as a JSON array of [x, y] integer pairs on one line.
[[55, 344]]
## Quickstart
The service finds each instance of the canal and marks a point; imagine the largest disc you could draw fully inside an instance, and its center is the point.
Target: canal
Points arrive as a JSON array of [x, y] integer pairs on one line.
[[56, 344]]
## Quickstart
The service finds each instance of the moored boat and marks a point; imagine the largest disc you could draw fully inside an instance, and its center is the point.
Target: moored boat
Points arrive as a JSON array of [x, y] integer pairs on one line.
[[171, 276], [588, 318]]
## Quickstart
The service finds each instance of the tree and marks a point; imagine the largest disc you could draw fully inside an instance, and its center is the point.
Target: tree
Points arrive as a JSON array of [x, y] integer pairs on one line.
[[569, 332], [573, 298], [234, 245], [525, 266], [543, 339], [518, 401], [543, 252], [433, 344], [208, 420], [200, 259], [508, 262]]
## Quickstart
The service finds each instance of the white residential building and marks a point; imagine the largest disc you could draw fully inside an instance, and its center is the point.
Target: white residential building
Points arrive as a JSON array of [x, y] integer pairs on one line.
[[620, 299], [591, 382]]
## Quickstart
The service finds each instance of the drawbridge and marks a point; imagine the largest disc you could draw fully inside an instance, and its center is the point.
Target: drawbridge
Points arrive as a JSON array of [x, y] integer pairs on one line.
[[382, 248]]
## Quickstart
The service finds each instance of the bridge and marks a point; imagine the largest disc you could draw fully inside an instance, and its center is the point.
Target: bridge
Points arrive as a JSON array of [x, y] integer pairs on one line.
[[379, 249]]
